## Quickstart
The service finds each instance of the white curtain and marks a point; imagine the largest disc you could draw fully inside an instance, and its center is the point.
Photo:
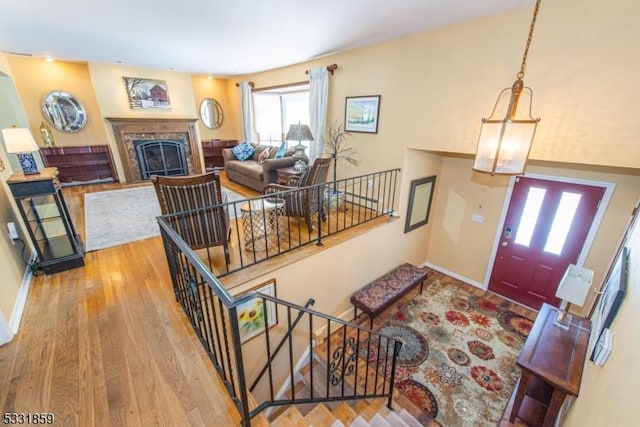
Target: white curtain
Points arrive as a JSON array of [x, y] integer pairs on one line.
[[248, 117], [318, 101]]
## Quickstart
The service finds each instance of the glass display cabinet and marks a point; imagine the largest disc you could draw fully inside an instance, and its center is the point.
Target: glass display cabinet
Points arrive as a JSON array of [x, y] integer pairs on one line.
[[47, 220]]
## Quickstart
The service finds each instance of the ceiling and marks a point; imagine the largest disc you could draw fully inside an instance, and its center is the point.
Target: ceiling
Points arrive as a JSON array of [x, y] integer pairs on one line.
[[217, 37]]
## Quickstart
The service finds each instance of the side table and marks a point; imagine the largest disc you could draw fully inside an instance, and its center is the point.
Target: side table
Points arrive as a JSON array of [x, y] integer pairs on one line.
[[47, 219], [261, 223], [552, 361], [285, 173]]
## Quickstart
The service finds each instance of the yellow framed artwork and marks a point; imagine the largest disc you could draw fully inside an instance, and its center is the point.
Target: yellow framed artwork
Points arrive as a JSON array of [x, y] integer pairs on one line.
[[257, 314]]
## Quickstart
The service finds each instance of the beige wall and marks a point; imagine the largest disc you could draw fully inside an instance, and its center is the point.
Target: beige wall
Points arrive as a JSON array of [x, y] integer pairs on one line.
[[11, 265], [465, 247], [34, 78], [216, 88], [608, 395]]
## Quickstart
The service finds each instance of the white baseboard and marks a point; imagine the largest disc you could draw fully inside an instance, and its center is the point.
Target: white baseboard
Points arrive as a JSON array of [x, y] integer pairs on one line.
[[21, 300], [455, 275], [5, 332]]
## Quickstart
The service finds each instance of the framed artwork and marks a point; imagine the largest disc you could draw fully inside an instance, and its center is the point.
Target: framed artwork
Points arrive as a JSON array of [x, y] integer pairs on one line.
[[361, 114], [147, 93], [257, 314], [610, 298], [419, 202]]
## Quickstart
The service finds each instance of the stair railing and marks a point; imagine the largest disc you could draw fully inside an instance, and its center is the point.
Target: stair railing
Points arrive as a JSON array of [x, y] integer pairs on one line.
[[357, 363]]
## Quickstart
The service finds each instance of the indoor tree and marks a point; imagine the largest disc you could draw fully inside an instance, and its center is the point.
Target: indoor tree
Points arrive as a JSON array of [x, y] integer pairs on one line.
[[336, 146]]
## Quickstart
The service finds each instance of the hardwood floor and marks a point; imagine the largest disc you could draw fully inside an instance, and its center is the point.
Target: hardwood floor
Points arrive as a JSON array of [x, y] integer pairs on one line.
[[106, 344]]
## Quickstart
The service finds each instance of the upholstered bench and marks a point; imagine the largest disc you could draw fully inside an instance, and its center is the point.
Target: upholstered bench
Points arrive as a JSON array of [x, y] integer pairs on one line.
[[385, 290]]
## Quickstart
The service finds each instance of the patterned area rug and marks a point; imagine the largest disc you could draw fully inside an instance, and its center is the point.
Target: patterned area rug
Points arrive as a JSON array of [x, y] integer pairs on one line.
[[458, 359], [116, 217]]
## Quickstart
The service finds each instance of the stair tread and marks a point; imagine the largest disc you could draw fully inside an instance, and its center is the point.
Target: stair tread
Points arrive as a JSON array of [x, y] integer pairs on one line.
[[290, 417], [365, 410], [394, 420], [345, 413], [359, 422], [320, 415], [378, 421], [379, 405]]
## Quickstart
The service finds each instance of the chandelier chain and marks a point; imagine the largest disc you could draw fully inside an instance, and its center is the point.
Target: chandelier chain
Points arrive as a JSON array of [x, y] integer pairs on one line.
[[520, 75]]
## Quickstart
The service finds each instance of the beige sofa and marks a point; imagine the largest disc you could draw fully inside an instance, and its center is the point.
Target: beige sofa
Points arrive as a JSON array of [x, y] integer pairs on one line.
[[251, 173]]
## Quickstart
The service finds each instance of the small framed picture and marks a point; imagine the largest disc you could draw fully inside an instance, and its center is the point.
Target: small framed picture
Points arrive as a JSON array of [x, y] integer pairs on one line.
[[361, 113], [257, 314]]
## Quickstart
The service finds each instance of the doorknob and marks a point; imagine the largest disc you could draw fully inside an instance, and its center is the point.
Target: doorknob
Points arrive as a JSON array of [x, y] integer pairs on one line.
[[505, 244]]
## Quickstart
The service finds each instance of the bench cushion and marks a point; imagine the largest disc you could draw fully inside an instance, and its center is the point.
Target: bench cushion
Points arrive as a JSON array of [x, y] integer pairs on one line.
[[385, 290]]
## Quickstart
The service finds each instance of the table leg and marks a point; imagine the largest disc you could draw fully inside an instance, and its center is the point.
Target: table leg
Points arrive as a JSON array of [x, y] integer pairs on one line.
[[523, 385], [554, 407]]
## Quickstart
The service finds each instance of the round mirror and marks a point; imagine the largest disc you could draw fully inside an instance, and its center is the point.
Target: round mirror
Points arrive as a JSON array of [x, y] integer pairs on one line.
[[63, 111], [211, 113]]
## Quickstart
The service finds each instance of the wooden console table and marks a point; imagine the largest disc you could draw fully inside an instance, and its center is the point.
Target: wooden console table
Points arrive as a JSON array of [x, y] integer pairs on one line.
[[552, 361]]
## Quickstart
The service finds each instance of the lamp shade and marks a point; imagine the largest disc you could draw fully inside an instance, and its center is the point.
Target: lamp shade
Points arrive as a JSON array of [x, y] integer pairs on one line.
[[299, 132], [575, 284], [504, 143], [19, 140]]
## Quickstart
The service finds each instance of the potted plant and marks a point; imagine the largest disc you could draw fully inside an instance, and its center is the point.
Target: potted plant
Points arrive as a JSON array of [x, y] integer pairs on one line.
[[337, 148]]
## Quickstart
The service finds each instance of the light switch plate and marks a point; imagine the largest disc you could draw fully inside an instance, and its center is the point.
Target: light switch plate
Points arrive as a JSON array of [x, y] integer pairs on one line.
[[477, 218]]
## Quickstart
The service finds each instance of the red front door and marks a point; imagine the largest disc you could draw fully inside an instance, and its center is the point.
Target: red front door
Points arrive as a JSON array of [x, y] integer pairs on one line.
[[545, 229]]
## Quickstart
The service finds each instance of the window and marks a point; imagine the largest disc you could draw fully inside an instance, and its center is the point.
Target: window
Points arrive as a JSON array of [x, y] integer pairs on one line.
[[277, 109]]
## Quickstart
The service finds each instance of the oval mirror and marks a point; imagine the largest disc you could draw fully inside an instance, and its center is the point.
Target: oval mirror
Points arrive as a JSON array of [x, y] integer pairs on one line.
[[211, 113], [63, 111]]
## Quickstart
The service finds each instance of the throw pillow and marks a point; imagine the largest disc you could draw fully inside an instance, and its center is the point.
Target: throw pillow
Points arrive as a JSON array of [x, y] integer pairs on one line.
[[264, 154], [243, 151], [281, 151]]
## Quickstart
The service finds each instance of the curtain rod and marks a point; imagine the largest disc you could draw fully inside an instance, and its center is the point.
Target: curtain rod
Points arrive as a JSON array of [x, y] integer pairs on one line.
[[330, 68]]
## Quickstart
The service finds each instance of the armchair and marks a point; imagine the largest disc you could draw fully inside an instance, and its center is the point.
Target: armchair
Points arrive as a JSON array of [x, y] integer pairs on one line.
[[304, 203], [193, 200]]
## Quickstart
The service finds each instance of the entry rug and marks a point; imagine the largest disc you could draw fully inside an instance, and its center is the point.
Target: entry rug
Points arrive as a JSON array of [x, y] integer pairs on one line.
[[116, 217], [458, 359]]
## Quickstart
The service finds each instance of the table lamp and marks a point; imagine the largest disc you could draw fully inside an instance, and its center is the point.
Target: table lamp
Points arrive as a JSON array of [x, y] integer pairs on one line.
[[20, 141], [573, 289], [301, 133]]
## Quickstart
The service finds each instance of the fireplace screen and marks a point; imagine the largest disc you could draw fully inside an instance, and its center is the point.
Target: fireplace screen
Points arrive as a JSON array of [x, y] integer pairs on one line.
[[161, 157]]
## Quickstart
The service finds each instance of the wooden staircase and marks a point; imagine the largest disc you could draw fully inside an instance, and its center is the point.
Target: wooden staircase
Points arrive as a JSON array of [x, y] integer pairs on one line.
[[362, 414], [355, 413]]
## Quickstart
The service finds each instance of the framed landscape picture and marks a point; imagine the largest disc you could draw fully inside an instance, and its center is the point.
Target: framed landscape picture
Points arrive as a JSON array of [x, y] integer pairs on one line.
[[255, 315], [610, 299], [147, 93], [361, 114]]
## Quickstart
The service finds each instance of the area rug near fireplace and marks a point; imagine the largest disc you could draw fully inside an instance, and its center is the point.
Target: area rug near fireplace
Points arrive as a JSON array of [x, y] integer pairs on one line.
[[458, 360], [116, 217]]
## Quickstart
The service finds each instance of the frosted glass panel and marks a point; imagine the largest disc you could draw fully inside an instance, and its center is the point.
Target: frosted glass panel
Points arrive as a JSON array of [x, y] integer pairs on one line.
[[530, 216], [562, 222]]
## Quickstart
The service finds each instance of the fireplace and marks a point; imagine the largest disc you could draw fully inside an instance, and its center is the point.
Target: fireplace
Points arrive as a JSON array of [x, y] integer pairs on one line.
[[161, 157], [169, 147]]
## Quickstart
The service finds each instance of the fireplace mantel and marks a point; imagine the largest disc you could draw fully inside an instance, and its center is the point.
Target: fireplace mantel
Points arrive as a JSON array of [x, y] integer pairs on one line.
[[128, 129]]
